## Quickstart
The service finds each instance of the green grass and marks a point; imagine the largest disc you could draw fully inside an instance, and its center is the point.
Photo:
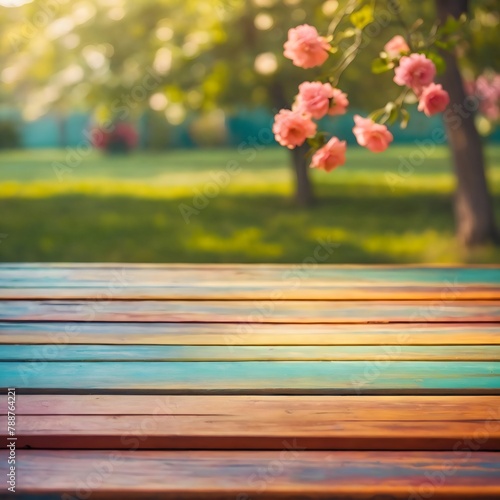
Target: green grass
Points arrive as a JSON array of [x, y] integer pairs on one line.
[[127, 209]]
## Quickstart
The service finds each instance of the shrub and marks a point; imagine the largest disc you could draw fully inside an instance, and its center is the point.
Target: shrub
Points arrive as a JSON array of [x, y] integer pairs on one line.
[[120, 139], [9, 135]]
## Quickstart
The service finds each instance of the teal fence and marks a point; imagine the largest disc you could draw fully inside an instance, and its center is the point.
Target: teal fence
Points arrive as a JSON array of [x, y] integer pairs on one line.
[[53, 131]]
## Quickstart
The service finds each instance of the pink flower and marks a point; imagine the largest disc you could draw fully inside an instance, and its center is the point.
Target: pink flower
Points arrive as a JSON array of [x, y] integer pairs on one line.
[[330, 156], [396, 46], [317, 99], [305, 47], [415, 71], [433, 99], [292, 128], [487, 90], [490, 110], [314, 99], [371, 135], [339, 103]]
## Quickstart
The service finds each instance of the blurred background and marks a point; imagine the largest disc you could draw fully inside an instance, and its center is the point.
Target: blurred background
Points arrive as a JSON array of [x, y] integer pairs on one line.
[[140, 131]]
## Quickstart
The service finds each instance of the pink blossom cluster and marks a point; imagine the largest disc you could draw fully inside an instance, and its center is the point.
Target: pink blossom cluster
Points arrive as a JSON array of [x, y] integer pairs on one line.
[[293, 127], [417, 72], [315, 100], [487, 89], [305, 47]]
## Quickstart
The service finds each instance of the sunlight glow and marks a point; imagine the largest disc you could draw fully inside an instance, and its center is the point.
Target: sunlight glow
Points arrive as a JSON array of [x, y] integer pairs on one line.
[[13, 3]]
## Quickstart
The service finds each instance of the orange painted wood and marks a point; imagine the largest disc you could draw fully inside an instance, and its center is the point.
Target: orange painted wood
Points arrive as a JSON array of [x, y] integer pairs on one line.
[[353, 408], [61, 333], [252, 312], [311, 431], [287, 473], [270, 291]]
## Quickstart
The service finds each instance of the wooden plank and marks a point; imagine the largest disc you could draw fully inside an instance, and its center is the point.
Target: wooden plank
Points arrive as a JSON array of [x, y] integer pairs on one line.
[[231, 282], [51, 352], [288, 473], [232, 266], [248, 334], [268, 432], [262, 291], [354, 408], [251, 311], [283, 377], [49, 273]]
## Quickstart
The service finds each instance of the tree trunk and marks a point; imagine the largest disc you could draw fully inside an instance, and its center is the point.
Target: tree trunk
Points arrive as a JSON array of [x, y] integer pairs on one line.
[[304, 195], [473, 206]]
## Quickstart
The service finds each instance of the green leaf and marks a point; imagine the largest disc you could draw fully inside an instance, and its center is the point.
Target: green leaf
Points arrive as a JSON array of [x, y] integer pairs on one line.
[[437, 60], [391, 112], [363, 17], [405, 118], [449, 27], [380, 65], [316, 142], [375, 115], [440, 44], [410, 98], [452, 25]]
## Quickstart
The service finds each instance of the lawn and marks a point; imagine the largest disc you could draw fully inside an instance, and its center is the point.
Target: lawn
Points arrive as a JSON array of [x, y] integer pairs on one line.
[[130, 209]]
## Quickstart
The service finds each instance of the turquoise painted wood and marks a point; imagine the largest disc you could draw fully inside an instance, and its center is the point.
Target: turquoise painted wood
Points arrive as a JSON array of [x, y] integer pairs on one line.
[[275, 377], [51, 352], [83, 274], [233, 282]]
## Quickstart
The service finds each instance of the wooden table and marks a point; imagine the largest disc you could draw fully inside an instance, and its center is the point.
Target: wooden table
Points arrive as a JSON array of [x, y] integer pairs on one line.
[[234, 381]]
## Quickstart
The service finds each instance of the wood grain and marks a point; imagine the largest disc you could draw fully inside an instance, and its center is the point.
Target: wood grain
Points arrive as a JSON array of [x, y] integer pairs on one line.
[[274, 291], [50, 352], [248, 334], [353, 408], [288, 473], [248, 282], [283, 377], [216, 432], [252, 312], [242, 381]]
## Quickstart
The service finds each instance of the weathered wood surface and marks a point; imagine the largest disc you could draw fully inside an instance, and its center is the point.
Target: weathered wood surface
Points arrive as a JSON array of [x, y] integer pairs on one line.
[[50, 352], [228, 282], [62, 333], [312, 432], [289, 473], [353, 408], [252, 312], [371, 383], [269, 377]]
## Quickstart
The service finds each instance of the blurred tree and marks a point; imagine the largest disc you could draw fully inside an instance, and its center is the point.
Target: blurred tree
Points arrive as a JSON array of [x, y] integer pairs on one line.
[[204, 55], [473, 205], [241, 63], [174, 56]]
